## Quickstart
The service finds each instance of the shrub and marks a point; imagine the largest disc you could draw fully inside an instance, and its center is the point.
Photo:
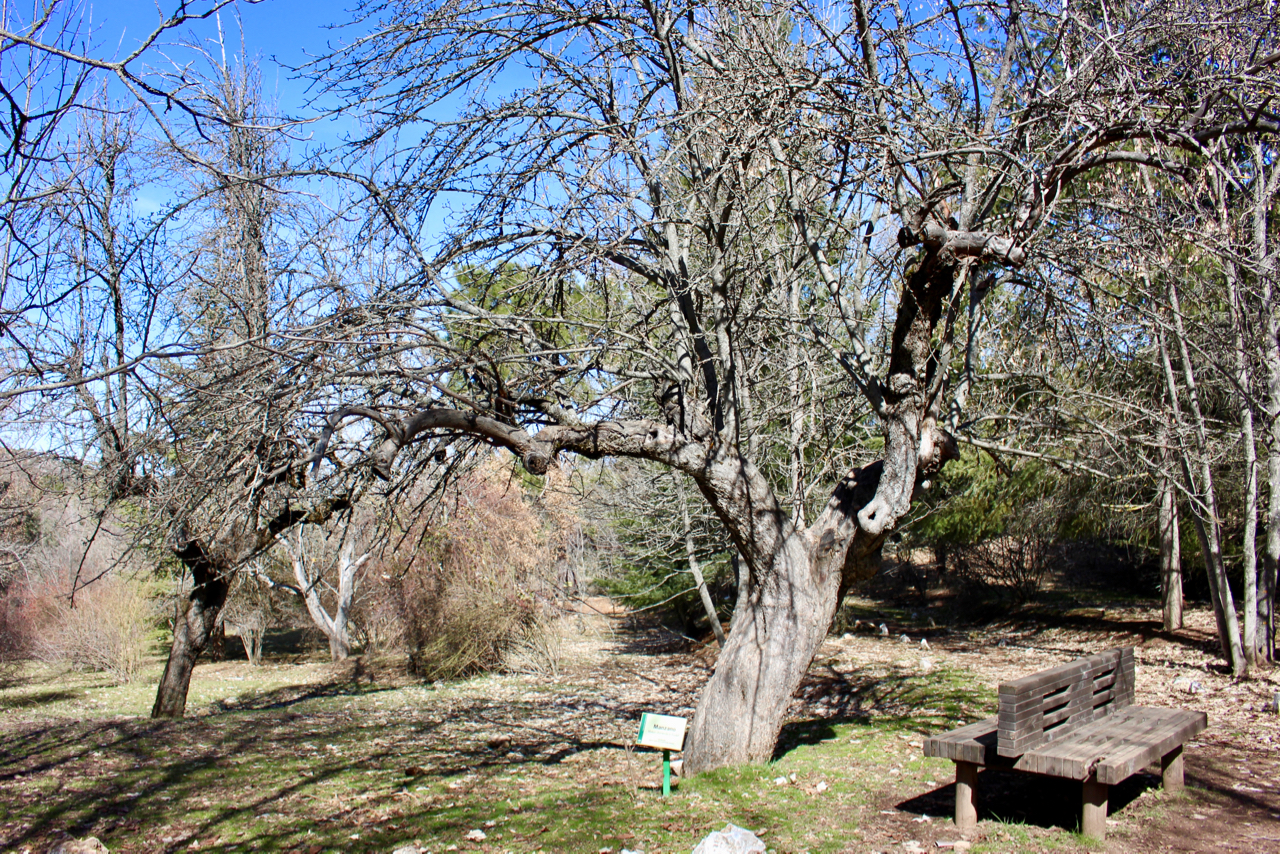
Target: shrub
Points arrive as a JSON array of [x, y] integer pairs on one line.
[[462, 593], [110, 628], [1014, 565]]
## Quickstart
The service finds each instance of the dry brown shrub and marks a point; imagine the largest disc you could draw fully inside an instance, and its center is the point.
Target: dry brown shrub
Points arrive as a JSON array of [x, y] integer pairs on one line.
[[1014, 566], [464, 593], [110, 627]]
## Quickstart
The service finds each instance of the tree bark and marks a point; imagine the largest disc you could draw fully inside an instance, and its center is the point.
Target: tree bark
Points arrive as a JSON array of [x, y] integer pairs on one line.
[[1170, 557], [787, 604], [1204, 510], [1249, 544], [191, 630], [335, 626], [691, 556]]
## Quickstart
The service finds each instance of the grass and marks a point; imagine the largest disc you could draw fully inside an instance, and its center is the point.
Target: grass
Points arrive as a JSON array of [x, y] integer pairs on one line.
[[316, 758]]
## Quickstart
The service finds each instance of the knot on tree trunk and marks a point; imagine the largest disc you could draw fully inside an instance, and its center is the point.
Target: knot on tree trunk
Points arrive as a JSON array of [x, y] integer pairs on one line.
[[537, 461]]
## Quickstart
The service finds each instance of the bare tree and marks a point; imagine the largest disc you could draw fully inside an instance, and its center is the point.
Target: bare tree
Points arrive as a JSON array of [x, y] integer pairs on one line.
[[308, 575], [691, 194]]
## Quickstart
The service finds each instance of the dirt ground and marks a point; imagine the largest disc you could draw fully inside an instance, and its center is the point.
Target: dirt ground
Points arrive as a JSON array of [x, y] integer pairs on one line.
[[580, 722]]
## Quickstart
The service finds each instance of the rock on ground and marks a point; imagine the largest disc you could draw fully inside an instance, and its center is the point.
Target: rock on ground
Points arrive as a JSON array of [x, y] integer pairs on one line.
[[731, 840], [90, 845]]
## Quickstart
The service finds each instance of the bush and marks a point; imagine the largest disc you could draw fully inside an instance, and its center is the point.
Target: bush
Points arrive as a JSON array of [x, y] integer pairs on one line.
[[459, 629], [110, 628], [462, 595], [1015, 566]]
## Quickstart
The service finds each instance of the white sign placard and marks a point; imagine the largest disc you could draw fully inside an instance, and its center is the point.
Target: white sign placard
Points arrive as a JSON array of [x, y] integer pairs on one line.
[[661, 731]]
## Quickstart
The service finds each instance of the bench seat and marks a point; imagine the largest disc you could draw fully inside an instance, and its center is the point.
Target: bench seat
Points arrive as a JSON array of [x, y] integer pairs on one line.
[[1115, 748], [1074, 721]]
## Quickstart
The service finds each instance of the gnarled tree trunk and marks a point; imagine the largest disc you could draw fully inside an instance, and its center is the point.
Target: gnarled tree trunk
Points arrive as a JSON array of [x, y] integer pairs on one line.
[[192, 628], [789, 596]]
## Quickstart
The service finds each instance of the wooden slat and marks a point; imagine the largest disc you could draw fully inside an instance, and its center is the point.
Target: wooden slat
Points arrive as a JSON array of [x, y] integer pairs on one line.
[[972, 743], [1116, 747], [1047, 706], [1039, 684], [1176, 727]]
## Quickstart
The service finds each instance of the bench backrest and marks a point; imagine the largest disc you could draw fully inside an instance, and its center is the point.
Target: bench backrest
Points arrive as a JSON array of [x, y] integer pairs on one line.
[[1047, 705]]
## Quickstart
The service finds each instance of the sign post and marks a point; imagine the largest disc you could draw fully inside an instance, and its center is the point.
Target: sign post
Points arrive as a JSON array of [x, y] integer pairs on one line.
[[666, 733]]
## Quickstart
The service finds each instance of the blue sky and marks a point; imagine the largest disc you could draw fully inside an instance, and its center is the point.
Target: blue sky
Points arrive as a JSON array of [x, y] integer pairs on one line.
[[278, 33]]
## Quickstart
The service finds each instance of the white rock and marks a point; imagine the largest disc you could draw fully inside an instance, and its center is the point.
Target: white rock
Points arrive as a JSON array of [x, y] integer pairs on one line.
[[821, 787], [407, 849], [779, 781], [731, 840], [89, 845], [476, 835]]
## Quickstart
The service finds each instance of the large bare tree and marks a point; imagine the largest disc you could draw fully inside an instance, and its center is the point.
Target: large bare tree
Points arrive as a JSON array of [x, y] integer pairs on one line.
[[740, 228]]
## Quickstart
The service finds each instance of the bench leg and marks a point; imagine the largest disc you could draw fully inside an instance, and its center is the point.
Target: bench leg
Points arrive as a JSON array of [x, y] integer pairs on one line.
[[1171, 768], [966, 797], [1093, 819]]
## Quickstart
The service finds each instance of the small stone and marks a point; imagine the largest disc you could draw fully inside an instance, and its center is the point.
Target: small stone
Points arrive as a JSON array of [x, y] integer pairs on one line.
[[821, 787], [779, 781], [476, 835], [490, 823], [905, 639], [407, 849]]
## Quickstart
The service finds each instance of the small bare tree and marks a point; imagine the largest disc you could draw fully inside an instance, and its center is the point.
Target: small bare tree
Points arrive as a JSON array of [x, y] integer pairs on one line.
[[308, 574]]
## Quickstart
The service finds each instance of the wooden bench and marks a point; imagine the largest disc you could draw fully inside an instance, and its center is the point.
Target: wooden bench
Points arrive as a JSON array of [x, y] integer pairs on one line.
[[1077, 721]]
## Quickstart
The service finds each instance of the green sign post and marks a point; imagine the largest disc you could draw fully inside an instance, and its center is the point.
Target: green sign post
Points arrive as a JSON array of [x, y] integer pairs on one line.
[[666, 733]]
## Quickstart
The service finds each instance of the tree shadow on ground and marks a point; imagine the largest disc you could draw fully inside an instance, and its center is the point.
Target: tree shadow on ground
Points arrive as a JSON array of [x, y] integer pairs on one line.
[[38, 698], [197, 777]]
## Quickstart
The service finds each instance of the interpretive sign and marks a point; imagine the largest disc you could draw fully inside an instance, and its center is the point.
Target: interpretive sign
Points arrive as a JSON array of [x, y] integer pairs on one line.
[[665, 732], [662, 731]]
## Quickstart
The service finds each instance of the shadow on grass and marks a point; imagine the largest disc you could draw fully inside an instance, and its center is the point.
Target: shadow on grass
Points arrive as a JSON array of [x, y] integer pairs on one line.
[[1020, 798], [38, 698], [258, 774], [913, 700]]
